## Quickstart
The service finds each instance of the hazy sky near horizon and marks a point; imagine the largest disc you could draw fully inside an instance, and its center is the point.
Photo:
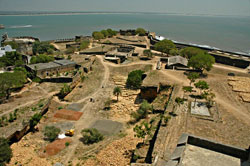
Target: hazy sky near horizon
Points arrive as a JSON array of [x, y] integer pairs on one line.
[[215, 7]]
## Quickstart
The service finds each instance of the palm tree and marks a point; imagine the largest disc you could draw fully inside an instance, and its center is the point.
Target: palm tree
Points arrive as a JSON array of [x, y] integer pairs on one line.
[[117, 91]]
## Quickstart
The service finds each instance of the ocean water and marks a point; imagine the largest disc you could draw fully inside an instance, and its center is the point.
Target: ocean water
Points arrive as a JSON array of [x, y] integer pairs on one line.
[[227, 33]]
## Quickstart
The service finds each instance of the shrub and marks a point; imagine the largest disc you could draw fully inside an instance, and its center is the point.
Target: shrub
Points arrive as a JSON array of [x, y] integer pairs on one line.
[[51, 132], [5, 151], [37, 80], [91, 136], [34, 120], [70, 50], [179, 100], [67, 143], [64, 91], [142, 112], [134, 79]]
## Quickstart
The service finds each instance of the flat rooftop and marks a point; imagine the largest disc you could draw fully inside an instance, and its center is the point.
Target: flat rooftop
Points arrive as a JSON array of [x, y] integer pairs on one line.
[[197, 156], [42, 66], [154, 78], [49, 65], [196, 151]]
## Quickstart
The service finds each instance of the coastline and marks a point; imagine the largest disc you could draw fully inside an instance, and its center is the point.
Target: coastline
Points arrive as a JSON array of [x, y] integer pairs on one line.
[[89, 13]]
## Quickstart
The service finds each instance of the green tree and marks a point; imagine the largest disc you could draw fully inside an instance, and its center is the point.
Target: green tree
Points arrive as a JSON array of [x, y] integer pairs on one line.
[[43, 48], [11, 59], [192, 77], [140, 31], [202, 85], [134, 79], [117, 91], [201, 62], [165, 46], [51, 132], [84, 45], [97, 35], [174, 52], [90, 136], [148, 53], [10, 81], [111, 32], [5, 152], [42, 58], [189, 52], [105, 33]]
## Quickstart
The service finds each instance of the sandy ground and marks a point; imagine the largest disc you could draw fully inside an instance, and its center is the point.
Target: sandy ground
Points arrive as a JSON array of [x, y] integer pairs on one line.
[[233, 129]]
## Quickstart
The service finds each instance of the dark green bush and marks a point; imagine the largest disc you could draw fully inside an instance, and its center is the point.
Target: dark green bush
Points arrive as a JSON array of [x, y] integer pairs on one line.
[[51, 132], [134, 79], [90, 136]]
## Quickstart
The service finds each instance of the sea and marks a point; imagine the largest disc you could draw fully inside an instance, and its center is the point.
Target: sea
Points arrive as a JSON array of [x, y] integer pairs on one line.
[[229, 33]]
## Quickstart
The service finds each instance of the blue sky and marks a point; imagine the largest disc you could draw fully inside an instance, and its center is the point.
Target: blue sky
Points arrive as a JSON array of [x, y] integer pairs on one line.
[[215, 7]]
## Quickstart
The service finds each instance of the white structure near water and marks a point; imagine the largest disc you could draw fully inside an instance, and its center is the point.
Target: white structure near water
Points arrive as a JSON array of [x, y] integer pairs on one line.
[[5, 49]]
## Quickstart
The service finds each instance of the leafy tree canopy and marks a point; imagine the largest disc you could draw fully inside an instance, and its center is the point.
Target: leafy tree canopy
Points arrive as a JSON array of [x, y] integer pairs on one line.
[[189, 52], [42, 58], [43, 48], [5, 151], [103, 34], [174, 52], [11, 59], [165, 46], [9, 81], [134, 79], [141, 31], [97, 35], [201, 61]]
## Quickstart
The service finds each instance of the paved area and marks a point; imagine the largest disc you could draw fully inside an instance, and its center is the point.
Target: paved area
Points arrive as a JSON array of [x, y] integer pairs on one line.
[[107, 127], [75, 107], [199, 108], [196, 156]]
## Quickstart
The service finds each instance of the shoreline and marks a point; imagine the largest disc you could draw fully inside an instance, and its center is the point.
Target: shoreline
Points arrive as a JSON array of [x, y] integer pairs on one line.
[[88, 13]]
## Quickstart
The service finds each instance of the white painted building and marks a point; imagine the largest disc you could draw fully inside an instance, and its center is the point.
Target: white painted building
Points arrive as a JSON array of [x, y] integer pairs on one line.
[[5, 49]]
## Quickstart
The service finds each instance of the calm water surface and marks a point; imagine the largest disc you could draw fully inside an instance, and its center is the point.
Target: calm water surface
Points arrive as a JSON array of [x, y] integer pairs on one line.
[[228, 33]]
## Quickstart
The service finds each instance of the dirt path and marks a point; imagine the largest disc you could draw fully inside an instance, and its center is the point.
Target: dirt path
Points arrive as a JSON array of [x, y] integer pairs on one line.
[[230, 68], [89, 115]]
